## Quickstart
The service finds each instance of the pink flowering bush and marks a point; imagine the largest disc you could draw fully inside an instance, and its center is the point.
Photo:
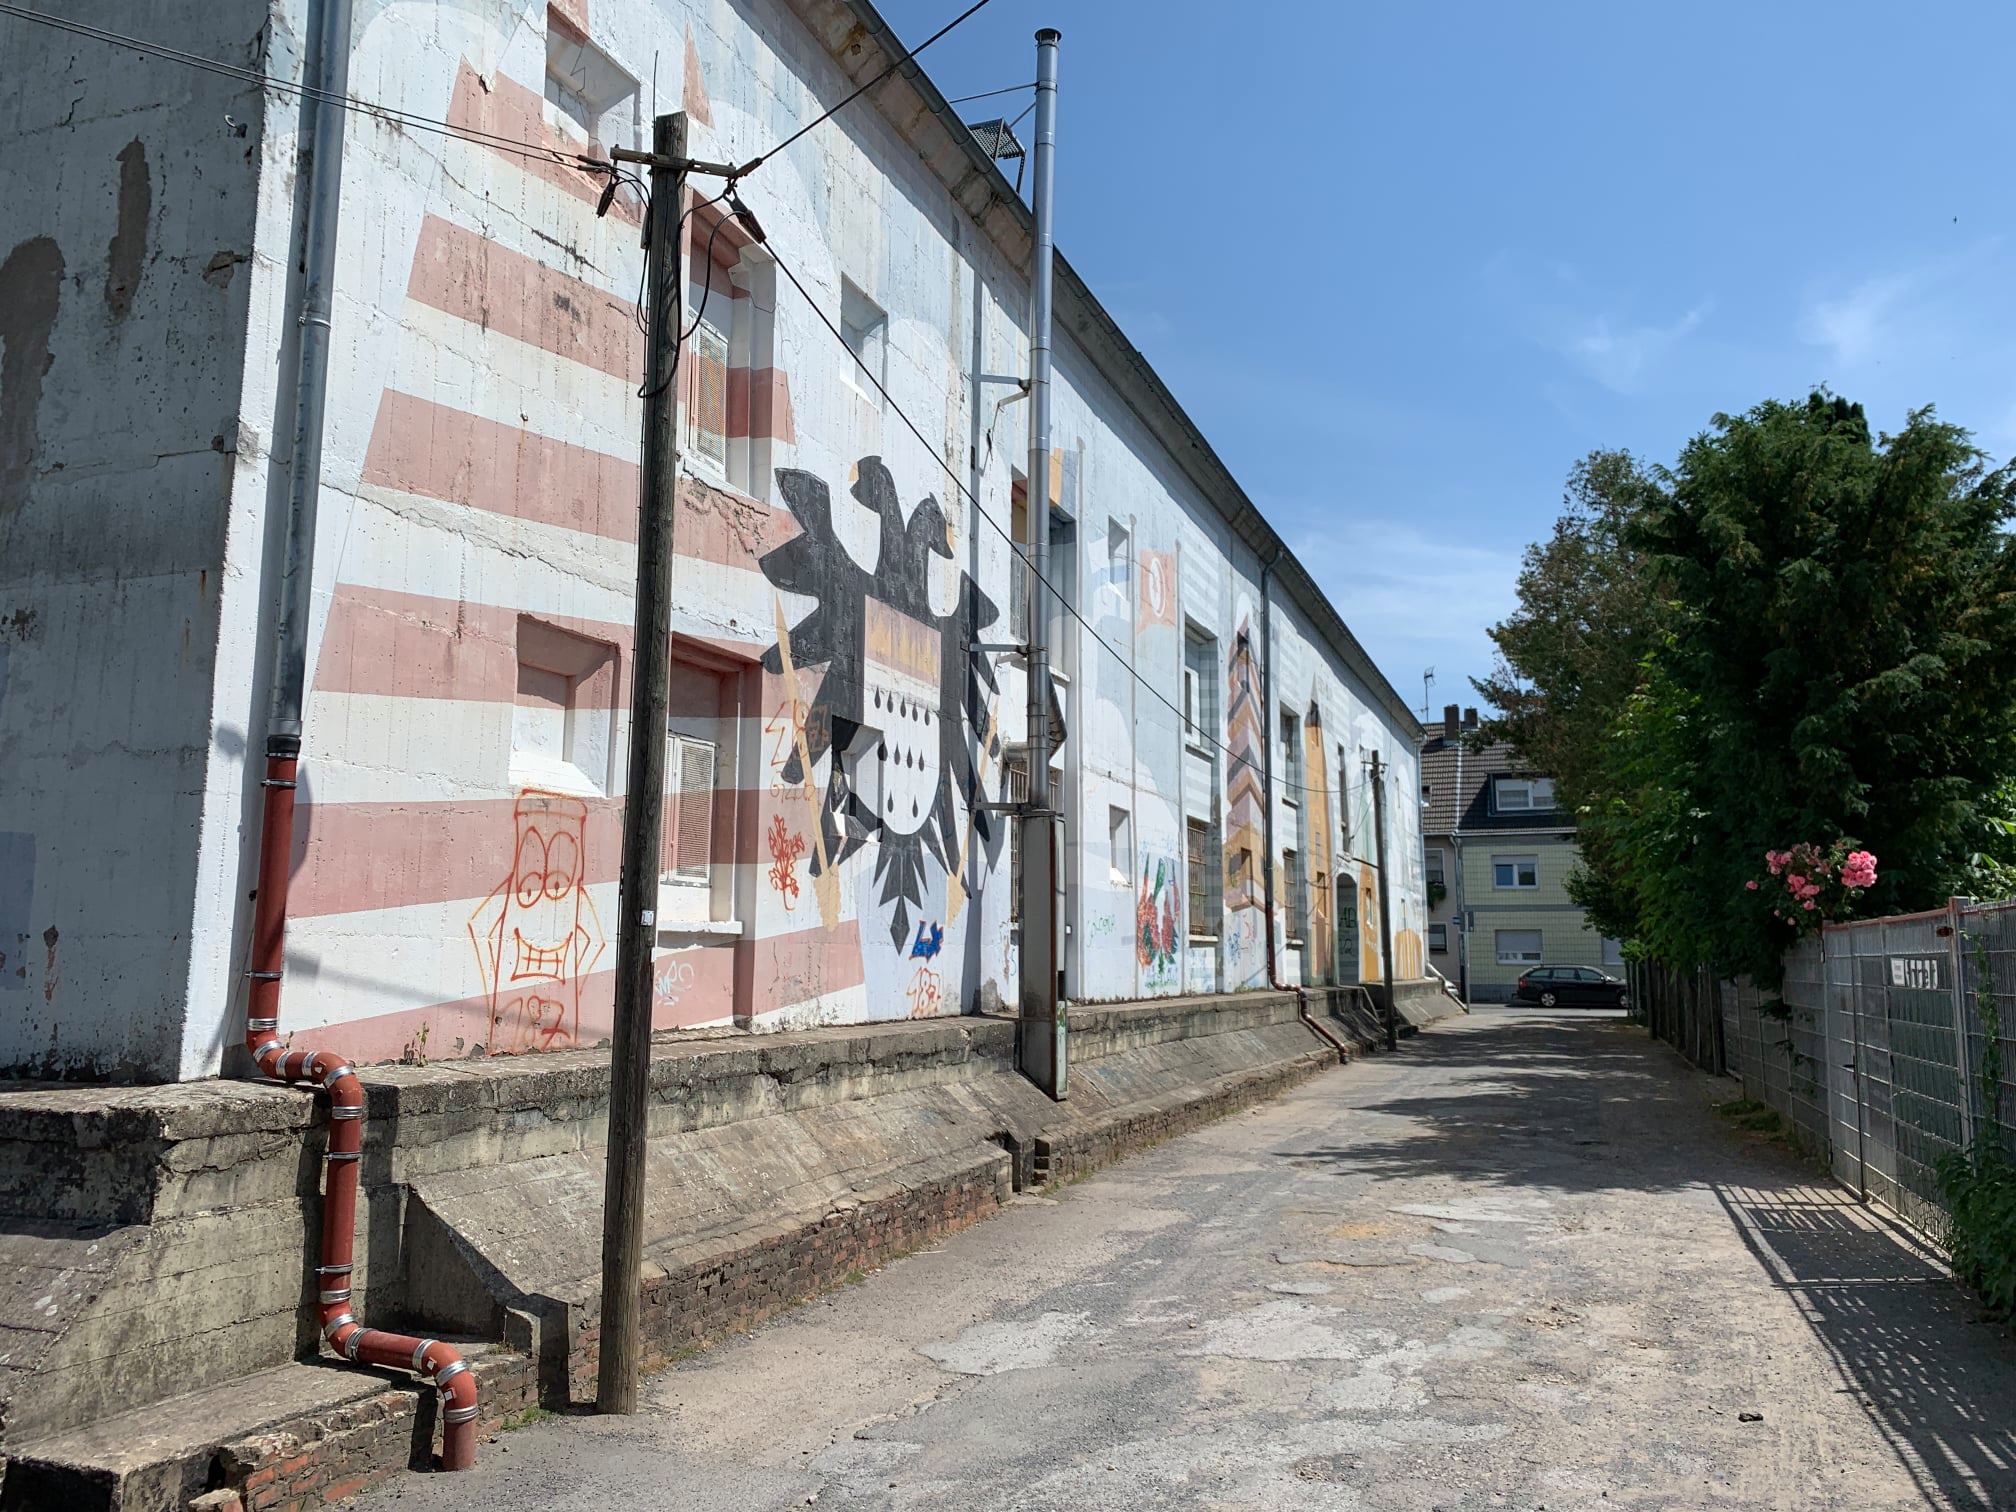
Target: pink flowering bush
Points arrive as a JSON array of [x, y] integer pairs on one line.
[[1807, 885]]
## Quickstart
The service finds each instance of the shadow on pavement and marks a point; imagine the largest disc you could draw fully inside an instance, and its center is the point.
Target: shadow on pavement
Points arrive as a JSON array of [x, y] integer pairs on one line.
[[1538, 1099], [1938, 1384], [1581, 1104]]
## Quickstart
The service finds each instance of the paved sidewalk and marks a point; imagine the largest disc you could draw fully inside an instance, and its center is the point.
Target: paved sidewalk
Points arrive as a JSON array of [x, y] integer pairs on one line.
[[1519, 1265]]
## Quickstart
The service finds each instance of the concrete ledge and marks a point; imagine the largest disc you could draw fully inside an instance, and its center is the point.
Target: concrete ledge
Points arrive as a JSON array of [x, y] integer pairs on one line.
[[779, 1166]]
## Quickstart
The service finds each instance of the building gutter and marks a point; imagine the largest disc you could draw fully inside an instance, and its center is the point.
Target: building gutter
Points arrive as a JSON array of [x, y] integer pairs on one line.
[[319, 169]]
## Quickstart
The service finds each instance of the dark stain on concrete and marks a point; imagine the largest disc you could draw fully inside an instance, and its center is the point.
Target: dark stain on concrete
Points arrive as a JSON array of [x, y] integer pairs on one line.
[[31, 288], [217, 273], [127, 253]]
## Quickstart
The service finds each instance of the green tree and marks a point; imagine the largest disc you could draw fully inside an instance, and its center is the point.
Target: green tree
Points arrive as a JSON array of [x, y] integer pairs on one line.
[[1571, 653], [1800, 631]]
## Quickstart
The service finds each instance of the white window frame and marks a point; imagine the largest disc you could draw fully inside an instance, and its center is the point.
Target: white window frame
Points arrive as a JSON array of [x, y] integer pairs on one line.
[[584, 762], [1120, 847], [864, 326], [685, 872], [706, 334], [1535, 795], [1344, 805], [1289, 731], [1435, 866], [1199, 704], [1119, 560], [1515, 862], [1518, 957], [590, 88], [1295, 927]]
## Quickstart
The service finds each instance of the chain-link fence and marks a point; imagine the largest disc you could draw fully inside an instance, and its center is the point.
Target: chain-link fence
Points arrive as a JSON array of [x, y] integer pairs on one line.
[[1876, 1048]]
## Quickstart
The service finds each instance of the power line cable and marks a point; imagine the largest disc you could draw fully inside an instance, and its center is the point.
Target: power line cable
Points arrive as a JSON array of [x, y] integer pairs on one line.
[[389, 114], [1016, 547], [757, 161], [988, 94]]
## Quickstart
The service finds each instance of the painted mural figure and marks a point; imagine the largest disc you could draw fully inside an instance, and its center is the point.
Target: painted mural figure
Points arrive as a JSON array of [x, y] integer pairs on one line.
[[1245, 796], [1155, 920], [538, 934], [899, 694]]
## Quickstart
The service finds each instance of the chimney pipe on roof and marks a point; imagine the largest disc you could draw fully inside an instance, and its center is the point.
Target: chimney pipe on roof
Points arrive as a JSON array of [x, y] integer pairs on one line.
[[1469, 719], [1449, 721]]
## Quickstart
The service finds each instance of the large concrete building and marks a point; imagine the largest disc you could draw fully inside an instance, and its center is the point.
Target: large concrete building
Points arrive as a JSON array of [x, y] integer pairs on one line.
[[834, 739], [838, 737]]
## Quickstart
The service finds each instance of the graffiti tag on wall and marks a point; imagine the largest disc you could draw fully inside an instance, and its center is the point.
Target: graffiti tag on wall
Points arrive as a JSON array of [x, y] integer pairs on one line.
[[538, 933], [785, 849]]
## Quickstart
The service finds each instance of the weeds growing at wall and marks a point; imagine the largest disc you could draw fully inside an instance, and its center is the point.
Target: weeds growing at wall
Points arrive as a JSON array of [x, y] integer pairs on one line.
[[1979, 1185]]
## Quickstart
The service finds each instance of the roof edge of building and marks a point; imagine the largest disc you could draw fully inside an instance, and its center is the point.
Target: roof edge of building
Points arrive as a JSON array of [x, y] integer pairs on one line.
[[1078, 309]]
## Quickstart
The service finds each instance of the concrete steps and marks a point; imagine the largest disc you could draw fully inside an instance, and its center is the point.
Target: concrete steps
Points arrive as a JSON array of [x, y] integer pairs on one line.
[[311, 1432]]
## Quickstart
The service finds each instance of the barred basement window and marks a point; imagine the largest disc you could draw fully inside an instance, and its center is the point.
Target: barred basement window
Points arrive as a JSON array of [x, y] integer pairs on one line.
[[692, 772], [1201, 858], [1014, 789]]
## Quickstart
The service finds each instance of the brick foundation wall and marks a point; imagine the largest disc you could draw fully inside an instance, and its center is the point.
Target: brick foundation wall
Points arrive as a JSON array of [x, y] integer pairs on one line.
[[1081, 1153], [327, 1459]]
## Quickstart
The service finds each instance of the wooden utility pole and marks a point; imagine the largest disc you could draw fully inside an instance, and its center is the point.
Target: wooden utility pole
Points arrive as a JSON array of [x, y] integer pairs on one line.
[[1385, 905], [644, 800]]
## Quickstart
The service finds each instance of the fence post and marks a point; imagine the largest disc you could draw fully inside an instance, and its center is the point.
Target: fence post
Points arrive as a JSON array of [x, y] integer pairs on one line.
[[1962, 1012]]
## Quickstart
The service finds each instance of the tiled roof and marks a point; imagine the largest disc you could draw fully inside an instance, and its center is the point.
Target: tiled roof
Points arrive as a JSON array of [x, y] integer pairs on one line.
[[1458, 773]]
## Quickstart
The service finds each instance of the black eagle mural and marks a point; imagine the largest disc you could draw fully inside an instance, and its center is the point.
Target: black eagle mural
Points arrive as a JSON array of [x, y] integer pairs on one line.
[[902, 701]]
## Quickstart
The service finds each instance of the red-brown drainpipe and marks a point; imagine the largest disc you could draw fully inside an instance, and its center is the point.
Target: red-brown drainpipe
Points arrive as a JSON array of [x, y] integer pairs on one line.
[[429, 1358], [319, 170]]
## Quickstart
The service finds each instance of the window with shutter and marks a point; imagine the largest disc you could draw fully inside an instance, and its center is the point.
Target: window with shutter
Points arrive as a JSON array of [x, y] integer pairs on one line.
[[707, 415], [692, 767]]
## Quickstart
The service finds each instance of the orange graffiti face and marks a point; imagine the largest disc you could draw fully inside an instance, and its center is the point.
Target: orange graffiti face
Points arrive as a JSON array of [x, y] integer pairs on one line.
[[543, 911], [545, 868]]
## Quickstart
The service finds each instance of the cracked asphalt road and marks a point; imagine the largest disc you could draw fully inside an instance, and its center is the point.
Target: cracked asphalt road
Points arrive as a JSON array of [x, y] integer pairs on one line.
[[1521, 1264]]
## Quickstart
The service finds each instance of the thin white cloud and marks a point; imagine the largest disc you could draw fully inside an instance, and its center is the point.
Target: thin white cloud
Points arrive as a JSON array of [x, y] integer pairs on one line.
[[1595, 331], [1905, 315], [1621, 358], [1860, 322]]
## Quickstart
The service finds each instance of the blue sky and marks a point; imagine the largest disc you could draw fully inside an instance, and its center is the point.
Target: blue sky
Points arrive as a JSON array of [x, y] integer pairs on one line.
[[1405, 263]]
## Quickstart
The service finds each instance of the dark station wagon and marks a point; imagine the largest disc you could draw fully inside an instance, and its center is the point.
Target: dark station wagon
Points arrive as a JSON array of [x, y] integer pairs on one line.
[[1570, 987]]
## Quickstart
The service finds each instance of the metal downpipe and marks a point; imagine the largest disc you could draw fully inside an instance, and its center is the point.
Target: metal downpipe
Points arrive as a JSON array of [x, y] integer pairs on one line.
[[1042, 1049], [326, 70]]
